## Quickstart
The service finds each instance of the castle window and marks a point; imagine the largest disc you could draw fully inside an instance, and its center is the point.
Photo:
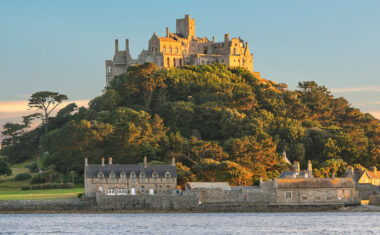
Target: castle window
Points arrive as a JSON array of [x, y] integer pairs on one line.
[[111, 191], [288, 194], [121, 191]]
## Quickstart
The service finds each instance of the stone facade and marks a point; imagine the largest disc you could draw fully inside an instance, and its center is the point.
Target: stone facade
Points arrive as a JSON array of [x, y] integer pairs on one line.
[[367, 181], [183, 48], [130, 179]]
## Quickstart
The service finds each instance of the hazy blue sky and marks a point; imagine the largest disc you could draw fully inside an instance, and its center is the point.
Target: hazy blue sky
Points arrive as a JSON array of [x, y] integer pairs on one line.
[[61, 45]]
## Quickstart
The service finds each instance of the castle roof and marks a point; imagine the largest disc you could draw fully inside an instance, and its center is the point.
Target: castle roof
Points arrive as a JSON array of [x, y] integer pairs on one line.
[[315, 183], [92, 170]]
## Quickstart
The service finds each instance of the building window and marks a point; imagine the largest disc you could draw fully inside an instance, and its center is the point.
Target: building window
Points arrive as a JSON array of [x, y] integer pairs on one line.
[[174, 62], [100, 176], [168, 62], [164, 49], [176, 50], [167, 174], [155, 175], [288, 194], [170, 49], [133, 175], [142, 189], [180, 62], [122, 176], [142, 176], [111, 191], [304, 197], [121, 191], [317, 198]]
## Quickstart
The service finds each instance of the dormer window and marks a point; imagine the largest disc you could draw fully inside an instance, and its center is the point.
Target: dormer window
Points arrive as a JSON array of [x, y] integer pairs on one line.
[[133, 175], [142, 175], [112, 175], [122, 176], [167, 174], [155, 175], [100, 175]]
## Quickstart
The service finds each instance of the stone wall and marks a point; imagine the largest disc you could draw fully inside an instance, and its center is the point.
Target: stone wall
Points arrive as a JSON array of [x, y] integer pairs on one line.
[[374, 200], [146, 202], [57, 205], [365, 190]]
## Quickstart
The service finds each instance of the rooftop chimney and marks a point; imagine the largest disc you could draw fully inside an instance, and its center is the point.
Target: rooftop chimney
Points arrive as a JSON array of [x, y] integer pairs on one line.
[[309, 169], [127, 44], [296, 167], [102, 161], [110, 161], [173, 161], [116, 45], [373, 169], [85, 161], [167, 31], [145, 162]]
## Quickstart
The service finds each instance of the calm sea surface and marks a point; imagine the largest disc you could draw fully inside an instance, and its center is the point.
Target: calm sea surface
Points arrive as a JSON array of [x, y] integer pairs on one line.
[[192, 223]]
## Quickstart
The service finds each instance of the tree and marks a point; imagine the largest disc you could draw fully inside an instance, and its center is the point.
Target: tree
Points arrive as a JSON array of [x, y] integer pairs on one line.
[[46, 102], [4, 168]]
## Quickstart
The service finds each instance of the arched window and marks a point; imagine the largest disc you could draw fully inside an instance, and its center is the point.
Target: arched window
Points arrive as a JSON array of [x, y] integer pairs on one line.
[[174, 62], [168, 62]]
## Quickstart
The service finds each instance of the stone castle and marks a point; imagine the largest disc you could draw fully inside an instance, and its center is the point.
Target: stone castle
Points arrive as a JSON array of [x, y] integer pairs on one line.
[[182, 48]]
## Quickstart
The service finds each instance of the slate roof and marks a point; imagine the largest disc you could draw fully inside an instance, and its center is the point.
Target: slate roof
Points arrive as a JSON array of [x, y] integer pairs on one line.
[[315, 183], [92, 170], [208, 185], [289, 174]]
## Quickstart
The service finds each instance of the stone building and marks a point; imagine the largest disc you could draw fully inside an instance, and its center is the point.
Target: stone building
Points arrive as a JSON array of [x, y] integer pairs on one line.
[[183, 48], [130, 179], [296, 173], [367, 181]]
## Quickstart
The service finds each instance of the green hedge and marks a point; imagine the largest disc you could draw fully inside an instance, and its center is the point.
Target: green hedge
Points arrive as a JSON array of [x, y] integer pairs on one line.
[[23, 176], [47, 186]]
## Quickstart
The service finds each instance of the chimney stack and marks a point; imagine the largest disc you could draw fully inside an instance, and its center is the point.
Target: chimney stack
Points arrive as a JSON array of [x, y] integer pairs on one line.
[[145, 162], [102, 161], [127, 44], [373, 169], [85, 161], [167, 31], [116, 45], [173, 161], [309, 169], [110, 161]]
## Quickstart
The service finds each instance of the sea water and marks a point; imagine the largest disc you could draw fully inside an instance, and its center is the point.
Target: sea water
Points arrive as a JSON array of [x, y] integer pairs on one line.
[[192, 223]]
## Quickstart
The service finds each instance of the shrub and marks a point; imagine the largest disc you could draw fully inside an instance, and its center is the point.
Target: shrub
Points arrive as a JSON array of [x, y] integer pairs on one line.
[[32, 167], [23, 176], [38, 179], [25, 188], [80, 195]]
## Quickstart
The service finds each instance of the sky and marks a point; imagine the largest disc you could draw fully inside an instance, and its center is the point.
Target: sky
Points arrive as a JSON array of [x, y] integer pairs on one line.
[[62, 45]]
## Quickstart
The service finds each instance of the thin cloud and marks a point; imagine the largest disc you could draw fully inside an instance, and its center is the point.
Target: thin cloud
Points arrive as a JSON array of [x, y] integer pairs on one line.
[[356, 89], [376, 114]]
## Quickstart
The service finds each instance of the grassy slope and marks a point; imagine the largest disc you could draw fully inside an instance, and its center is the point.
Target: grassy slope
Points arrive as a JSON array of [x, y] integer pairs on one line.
[[11, 189]]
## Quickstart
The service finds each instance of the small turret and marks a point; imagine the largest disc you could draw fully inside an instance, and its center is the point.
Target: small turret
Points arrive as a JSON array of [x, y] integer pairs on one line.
[[226, 40], [145, 162], [110, 161]]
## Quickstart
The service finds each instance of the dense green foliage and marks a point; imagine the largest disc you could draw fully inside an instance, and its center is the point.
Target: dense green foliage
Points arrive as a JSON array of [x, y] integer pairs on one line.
[[23, 176], [220, 124], [4, 167]]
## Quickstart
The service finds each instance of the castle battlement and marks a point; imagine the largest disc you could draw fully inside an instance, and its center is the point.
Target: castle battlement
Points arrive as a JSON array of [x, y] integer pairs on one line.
[[182, 48]]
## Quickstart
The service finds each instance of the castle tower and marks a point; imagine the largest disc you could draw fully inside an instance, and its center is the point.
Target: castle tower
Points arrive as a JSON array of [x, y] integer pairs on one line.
[[186, 26]]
